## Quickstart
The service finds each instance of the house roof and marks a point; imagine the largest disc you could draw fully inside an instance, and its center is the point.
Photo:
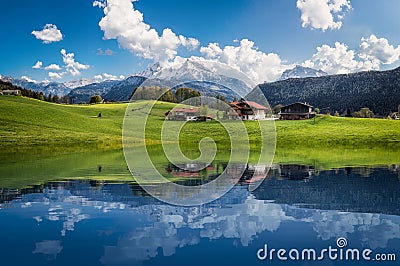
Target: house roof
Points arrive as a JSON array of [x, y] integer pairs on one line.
[[249, 103], [305, 104]]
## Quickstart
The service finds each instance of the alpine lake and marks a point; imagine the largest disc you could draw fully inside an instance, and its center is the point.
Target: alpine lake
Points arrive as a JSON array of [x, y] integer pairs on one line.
[[85, 208]]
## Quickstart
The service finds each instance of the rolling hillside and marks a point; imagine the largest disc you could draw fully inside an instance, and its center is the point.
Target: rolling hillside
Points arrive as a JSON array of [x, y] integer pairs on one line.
[[27, 123]]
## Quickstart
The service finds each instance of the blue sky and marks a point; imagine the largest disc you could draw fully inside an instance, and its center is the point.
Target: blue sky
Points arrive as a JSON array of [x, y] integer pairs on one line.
[[262, 38]]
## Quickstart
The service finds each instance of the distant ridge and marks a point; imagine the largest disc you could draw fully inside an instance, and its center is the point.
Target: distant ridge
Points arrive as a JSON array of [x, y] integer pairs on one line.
[[53, 88], [210, 80], [377, 90], [302, 72]]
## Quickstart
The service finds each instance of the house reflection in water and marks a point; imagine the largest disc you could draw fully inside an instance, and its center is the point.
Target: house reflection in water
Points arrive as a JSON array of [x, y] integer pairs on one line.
[[189, 174], [254, 172], [296, 172]]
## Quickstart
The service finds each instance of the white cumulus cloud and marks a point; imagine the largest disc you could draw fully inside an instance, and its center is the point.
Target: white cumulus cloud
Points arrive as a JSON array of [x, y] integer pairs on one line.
[[190, 43], [26, 78], [38, 65], [55, 75], [73, 67], [53, 67], [245, 57], [212, 50], [339, 59], [378, 50], [323, 14], [125, 24], [48, 34], [99, 4], [106, 76]]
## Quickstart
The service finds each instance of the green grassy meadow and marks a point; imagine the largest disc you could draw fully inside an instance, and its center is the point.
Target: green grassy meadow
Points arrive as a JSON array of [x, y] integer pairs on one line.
[[28, 122], [45, 141]]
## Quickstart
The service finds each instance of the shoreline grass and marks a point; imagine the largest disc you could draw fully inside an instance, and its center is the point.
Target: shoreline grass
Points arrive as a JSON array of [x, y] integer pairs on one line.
[[24, 170]]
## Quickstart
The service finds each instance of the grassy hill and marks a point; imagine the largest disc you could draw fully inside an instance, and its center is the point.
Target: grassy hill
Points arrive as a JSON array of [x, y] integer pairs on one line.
[[28, 123]]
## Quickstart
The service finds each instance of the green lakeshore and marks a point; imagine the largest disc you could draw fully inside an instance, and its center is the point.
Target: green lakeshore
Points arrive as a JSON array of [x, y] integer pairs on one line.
[[43, 141]]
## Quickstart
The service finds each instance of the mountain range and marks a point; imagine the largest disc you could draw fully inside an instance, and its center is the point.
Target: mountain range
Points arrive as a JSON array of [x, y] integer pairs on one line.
[[377, 90], [208, 77], [53, 88], [301, 72]]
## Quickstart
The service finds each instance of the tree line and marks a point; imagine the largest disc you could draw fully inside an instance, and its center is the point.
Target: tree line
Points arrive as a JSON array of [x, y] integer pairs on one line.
[[364, 112], [165, 94]]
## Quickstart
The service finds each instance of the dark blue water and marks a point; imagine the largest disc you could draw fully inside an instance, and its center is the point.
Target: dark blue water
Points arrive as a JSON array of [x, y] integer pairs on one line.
[[94, 223]]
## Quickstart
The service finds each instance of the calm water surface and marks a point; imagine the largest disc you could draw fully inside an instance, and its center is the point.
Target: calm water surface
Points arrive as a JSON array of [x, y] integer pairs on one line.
[[84, 222]]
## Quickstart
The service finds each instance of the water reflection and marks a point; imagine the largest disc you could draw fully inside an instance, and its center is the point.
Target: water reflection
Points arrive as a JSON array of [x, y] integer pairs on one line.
[[129, 227], [49, 248], [188, 175], [351, 189]]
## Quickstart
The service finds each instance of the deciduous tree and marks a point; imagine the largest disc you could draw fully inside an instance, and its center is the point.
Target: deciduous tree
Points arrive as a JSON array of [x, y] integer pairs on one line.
[[95, 99]]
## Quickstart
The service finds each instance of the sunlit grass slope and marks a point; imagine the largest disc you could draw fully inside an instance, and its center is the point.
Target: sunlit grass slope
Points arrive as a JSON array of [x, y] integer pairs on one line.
[[27, 122]]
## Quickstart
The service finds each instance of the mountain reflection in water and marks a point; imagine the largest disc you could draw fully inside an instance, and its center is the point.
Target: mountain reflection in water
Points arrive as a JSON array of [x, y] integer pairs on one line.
[[125, 226]]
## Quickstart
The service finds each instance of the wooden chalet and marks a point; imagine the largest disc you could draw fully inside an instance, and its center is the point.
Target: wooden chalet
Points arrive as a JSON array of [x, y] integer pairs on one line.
[[183, 114], [10, 92], [297, 111], [246, 110]]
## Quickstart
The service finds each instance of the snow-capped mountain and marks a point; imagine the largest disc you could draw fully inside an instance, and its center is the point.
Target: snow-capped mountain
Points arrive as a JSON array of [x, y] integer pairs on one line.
[[190, 70], [208, 77], [115, 90], [201, 70], [302, 72], [150, 71], [79, 83]]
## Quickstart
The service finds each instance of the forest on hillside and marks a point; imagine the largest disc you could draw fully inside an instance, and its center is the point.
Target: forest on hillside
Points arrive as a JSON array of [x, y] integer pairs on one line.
[[377, 90]]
